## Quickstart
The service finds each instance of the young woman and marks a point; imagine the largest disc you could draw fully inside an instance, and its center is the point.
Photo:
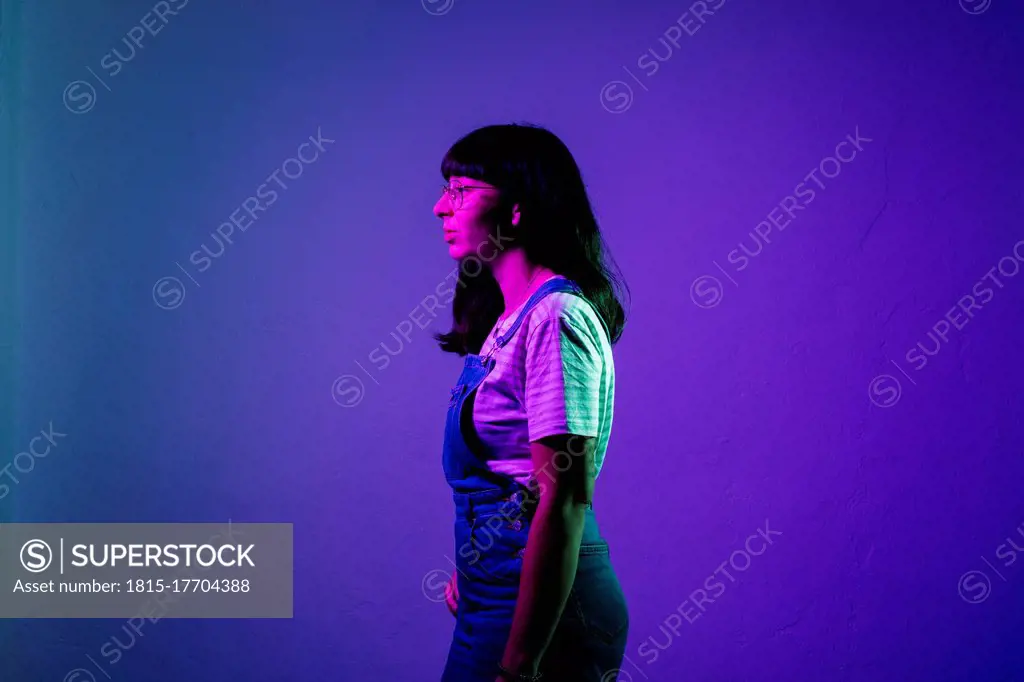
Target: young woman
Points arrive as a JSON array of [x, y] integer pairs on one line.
[[535, 316]]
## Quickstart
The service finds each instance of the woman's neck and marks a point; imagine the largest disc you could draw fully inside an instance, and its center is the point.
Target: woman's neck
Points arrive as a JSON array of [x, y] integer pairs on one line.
[[518, 279]]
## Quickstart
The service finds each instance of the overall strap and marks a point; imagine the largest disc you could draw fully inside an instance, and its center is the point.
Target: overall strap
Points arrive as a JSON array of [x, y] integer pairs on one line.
[[553, 285]]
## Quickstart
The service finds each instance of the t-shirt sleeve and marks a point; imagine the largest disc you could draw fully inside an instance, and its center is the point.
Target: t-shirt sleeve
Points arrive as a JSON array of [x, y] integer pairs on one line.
[[563, 379]]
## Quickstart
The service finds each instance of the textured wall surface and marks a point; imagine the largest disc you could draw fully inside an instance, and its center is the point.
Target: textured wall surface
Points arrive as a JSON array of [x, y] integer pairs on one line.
[[815, 471]]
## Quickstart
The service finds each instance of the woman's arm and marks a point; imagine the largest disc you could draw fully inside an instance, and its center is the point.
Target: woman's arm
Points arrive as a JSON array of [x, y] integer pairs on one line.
[[564, 467]]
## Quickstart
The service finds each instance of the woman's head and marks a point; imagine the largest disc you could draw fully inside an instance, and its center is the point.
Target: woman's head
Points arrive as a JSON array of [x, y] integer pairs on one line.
[[517, 187]]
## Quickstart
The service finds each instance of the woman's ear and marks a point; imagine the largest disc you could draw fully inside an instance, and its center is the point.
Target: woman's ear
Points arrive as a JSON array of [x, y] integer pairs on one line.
[[515, 215]]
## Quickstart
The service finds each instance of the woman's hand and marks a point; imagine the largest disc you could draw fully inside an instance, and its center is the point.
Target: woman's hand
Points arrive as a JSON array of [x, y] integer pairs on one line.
[[451, 594]]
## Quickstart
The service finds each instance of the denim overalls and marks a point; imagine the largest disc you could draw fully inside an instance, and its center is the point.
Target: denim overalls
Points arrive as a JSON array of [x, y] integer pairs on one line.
[[492, 522]]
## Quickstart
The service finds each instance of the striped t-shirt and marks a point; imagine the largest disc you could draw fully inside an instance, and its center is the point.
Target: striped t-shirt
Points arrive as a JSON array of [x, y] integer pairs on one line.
[[555, 375]]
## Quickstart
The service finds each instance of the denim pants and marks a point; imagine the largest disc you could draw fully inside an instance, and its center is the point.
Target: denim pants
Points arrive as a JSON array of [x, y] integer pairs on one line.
[[590, 640], [492, 522]]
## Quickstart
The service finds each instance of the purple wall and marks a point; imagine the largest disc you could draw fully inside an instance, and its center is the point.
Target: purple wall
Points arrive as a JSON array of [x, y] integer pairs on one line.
[[770, 382]]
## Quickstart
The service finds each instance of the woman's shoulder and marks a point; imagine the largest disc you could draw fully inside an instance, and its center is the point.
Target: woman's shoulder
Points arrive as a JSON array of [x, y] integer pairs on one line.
[[568, 309], [560, 304]]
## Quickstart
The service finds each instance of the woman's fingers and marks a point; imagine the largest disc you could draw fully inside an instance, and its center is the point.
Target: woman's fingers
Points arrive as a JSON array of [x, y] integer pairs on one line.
[[451, 594]]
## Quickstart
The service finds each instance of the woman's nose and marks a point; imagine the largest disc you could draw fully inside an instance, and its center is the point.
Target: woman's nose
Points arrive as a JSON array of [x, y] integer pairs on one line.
[[442, 207]]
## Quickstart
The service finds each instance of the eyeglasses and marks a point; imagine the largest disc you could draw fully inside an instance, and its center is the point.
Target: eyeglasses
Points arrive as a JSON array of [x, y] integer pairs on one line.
[[455, 194]]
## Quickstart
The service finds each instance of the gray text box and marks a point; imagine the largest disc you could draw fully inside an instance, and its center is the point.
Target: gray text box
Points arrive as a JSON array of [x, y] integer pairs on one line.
[[163, 570]]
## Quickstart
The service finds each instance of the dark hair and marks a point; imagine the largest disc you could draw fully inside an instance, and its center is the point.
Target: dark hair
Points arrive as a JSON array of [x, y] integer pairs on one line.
[[532, 167]]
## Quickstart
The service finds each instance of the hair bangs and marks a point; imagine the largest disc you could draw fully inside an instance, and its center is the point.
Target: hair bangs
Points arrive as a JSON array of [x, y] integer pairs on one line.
[[485, 154]]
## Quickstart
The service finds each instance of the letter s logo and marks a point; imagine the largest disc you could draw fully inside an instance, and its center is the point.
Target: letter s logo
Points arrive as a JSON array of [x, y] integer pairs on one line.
[[36, 556]]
